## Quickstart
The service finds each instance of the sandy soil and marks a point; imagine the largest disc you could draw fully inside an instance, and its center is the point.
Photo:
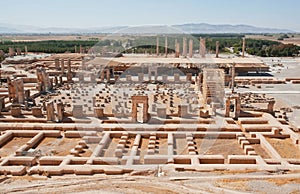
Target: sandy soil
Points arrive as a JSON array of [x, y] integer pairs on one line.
[[172, 182], [284, 147]]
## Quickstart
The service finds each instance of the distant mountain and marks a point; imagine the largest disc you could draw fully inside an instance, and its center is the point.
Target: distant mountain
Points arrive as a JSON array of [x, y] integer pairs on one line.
[[209, 28], [154, 29]]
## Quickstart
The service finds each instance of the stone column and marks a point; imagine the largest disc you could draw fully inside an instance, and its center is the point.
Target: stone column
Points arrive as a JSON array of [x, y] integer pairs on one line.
[[183, 110], [11, 52], [189, 77], [99, 112], [244, 47], [217, 49], [176, 77], [184, 47], [140, 77], [50, 112], [191, 48], [270, 107], [26, 50], [19, 51], [134, 112], [62, 64], [232, 77], [69, 66], [56, 61], [177, 50], [157, 45], [166, 46], [227, 107], [60, 112], [202, 47]]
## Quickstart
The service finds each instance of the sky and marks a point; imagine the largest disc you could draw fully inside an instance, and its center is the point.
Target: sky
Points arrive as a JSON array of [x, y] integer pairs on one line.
[[97, 13]]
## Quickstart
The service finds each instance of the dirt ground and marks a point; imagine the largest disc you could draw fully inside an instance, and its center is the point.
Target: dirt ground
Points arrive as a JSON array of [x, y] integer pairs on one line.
[[172, 182]]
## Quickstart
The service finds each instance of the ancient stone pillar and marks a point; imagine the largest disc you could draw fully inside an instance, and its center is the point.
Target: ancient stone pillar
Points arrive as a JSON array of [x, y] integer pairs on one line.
[[191, 48], [202, 47], [183, 110], [166, 46], [26, 50], [16, 111], [244, 47], [19, 51], [140, 77], [128, 78], [37, 111], [50, 111], [176, 77], [93, 77], [62, 66], [11, 52], [69, 66], [232, 77], [227, 107], [56, 61], [217, 49], [184, 47], [60, 111], [2, 103], [165, 78], [270, 107], [19, 86], [189, 77], [177, 50], [77, 111], [99, 112], [157, 45], [161, 111]]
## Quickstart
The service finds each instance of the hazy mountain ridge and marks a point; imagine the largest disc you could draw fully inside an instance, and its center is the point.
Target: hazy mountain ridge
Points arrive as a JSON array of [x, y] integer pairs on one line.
[[154, 29]]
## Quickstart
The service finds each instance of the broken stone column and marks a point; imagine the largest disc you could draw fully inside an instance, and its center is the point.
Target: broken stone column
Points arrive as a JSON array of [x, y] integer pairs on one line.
[[191, 48], [184, 47], [128, 78], [270, 107], [11, 52], [81, 77], [50, 111], [227, 107], [157, 45], [77, 111], [140, 77], [62, 66], [177, 50], [161, 111], [217, 49], [99, 112], [37, 111], [183, 110], [19, 51], [93, 77], [16, 110], [2, 103], [202, 47], [56, 61], [165, 78], [19, 90], [244, 47], [232, 77], [176, 77], [189, 77], [166, 46], [60, 111], [69, 69], [26, 50]]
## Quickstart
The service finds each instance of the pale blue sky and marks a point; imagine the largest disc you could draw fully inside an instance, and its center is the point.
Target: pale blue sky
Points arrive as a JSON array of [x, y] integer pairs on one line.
[[96, 13]]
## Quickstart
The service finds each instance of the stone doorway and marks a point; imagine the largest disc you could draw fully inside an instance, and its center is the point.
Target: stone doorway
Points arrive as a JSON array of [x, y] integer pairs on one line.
[[143, 109]]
